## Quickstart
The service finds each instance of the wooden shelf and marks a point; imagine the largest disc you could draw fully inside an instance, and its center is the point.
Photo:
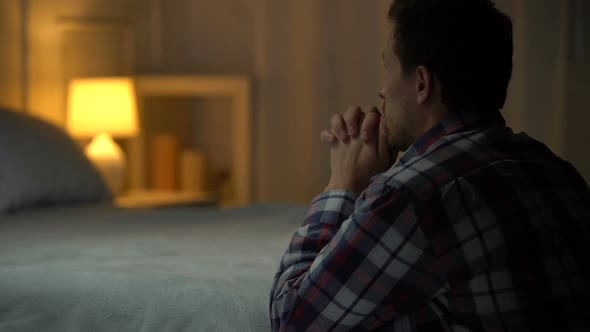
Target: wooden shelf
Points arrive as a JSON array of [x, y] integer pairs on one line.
[[162, 199], [236, 88]]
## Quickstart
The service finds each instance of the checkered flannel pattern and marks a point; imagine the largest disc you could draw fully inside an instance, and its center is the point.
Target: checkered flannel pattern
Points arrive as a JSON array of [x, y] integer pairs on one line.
[[474, 228]]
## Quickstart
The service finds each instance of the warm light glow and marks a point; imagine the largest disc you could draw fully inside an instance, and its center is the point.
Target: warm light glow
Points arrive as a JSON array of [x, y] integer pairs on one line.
[[109, 159], [102, 105]]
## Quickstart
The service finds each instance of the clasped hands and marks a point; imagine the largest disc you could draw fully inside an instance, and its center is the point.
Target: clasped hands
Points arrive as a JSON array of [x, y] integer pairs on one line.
[[358, 148]]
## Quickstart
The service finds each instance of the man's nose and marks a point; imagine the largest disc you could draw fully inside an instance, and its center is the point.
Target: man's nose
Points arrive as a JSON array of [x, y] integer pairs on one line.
[[382, 93]]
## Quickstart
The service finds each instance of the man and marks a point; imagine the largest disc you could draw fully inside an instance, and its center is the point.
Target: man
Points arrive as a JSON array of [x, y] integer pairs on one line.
[[473, 228]]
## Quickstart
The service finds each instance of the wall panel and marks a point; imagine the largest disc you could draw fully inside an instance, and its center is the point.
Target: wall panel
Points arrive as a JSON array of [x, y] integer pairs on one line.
[[11, 54], [80, 38]]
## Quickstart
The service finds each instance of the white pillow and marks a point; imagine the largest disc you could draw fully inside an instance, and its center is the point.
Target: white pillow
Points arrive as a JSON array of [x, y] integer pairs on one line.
[[41, 165]]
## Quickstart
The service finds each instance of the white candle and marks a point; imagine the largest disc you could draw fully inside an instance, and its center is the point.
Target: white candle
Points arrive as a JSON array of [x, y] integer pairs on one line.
[[193, 171]]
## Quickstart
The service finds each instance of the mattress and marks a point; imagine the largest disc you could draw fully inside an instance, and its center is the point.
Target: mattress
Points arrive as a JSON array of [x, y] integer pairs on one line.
[[111, 269]]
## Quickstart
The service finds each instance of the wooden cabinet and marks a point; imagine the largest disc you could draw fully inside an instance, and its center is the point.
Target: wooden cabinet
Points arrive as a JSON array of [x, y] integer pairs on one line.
[[234, 88]]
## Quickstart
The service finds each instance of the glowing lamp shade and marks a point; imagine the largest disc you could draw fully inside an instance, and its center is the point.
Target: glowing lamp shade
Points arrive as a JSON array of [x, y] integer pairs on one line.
[[102, 105], [102, 108]]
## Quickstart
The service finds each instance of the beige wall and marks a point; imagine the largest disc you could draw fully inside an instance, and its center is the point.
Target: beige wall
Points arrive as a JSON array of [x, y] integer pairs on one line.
[[577, 119], [313, 58], [209, 37], [11, 77], [308, 59], [548, 96], [74, 38], [576, 133]]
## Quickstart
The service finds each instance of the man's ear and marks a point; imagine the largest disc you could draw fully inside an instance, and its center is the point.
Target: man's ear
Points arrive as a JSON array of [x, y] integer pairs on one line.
[[424, 84]]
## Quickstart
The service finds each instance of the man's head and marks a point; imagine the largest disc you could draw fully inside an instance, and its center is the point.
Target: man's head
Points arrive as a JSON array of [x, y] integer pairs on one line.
[[443, 56]]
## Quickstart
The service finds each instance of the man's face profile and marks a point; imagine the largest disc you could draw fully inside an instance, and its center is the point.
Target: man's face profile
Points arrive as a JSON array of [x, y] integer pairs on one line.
[[397, 95]]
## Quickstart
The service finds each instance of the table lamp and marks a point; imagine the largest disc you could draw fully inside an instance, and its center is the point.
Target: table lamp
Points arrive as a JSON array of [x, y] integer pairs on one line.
[[104, 108]]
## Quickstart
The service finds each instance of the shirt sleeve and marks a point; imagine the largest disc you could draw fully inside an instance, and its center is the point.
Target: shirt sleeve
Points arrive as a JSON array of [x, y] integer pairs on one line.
[[354, 262]]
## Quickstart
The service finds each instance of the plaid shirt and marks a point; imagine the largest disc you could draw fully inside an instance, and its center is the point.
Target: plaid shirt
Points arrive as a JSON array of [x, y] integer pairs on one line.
[[473, 228]]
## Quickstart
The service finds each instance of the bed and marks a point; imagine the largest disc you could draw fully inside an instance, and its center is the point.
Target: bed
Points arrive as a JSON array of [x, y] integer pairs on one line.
[[72, 261]]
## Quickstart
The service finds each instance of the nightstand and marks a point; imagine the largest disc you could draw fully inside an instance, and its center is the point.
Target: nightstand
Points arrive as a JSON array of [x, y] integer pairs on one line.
[[158, 94], [165, 199]]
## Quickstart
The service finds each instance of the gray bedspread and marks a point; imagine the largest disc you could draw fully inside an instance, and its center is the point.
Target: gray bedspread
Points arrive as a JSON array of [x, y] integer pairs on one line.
[[109, 269]]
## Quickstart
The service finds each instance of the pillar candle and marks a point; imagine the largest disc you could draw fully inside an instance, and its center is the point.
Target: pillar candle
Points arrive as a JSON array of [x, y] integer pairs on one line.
[[164, 155], [193, 171]]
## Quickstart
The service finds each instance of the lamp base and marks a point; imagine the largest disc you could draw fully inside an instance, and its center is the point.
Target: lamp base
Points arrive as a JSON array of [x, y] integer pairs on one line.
[[109, 160]]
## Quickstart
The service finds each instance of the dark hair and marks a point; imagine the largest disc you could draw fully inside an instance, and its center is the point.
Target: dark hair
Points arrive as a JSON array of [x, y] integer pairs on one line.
[[466, 44]]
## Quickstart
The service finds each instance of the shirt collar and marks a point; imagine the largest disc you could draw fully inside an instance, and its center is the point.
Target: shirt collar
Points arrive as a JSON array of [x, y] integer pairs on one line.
[[455, 122]]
